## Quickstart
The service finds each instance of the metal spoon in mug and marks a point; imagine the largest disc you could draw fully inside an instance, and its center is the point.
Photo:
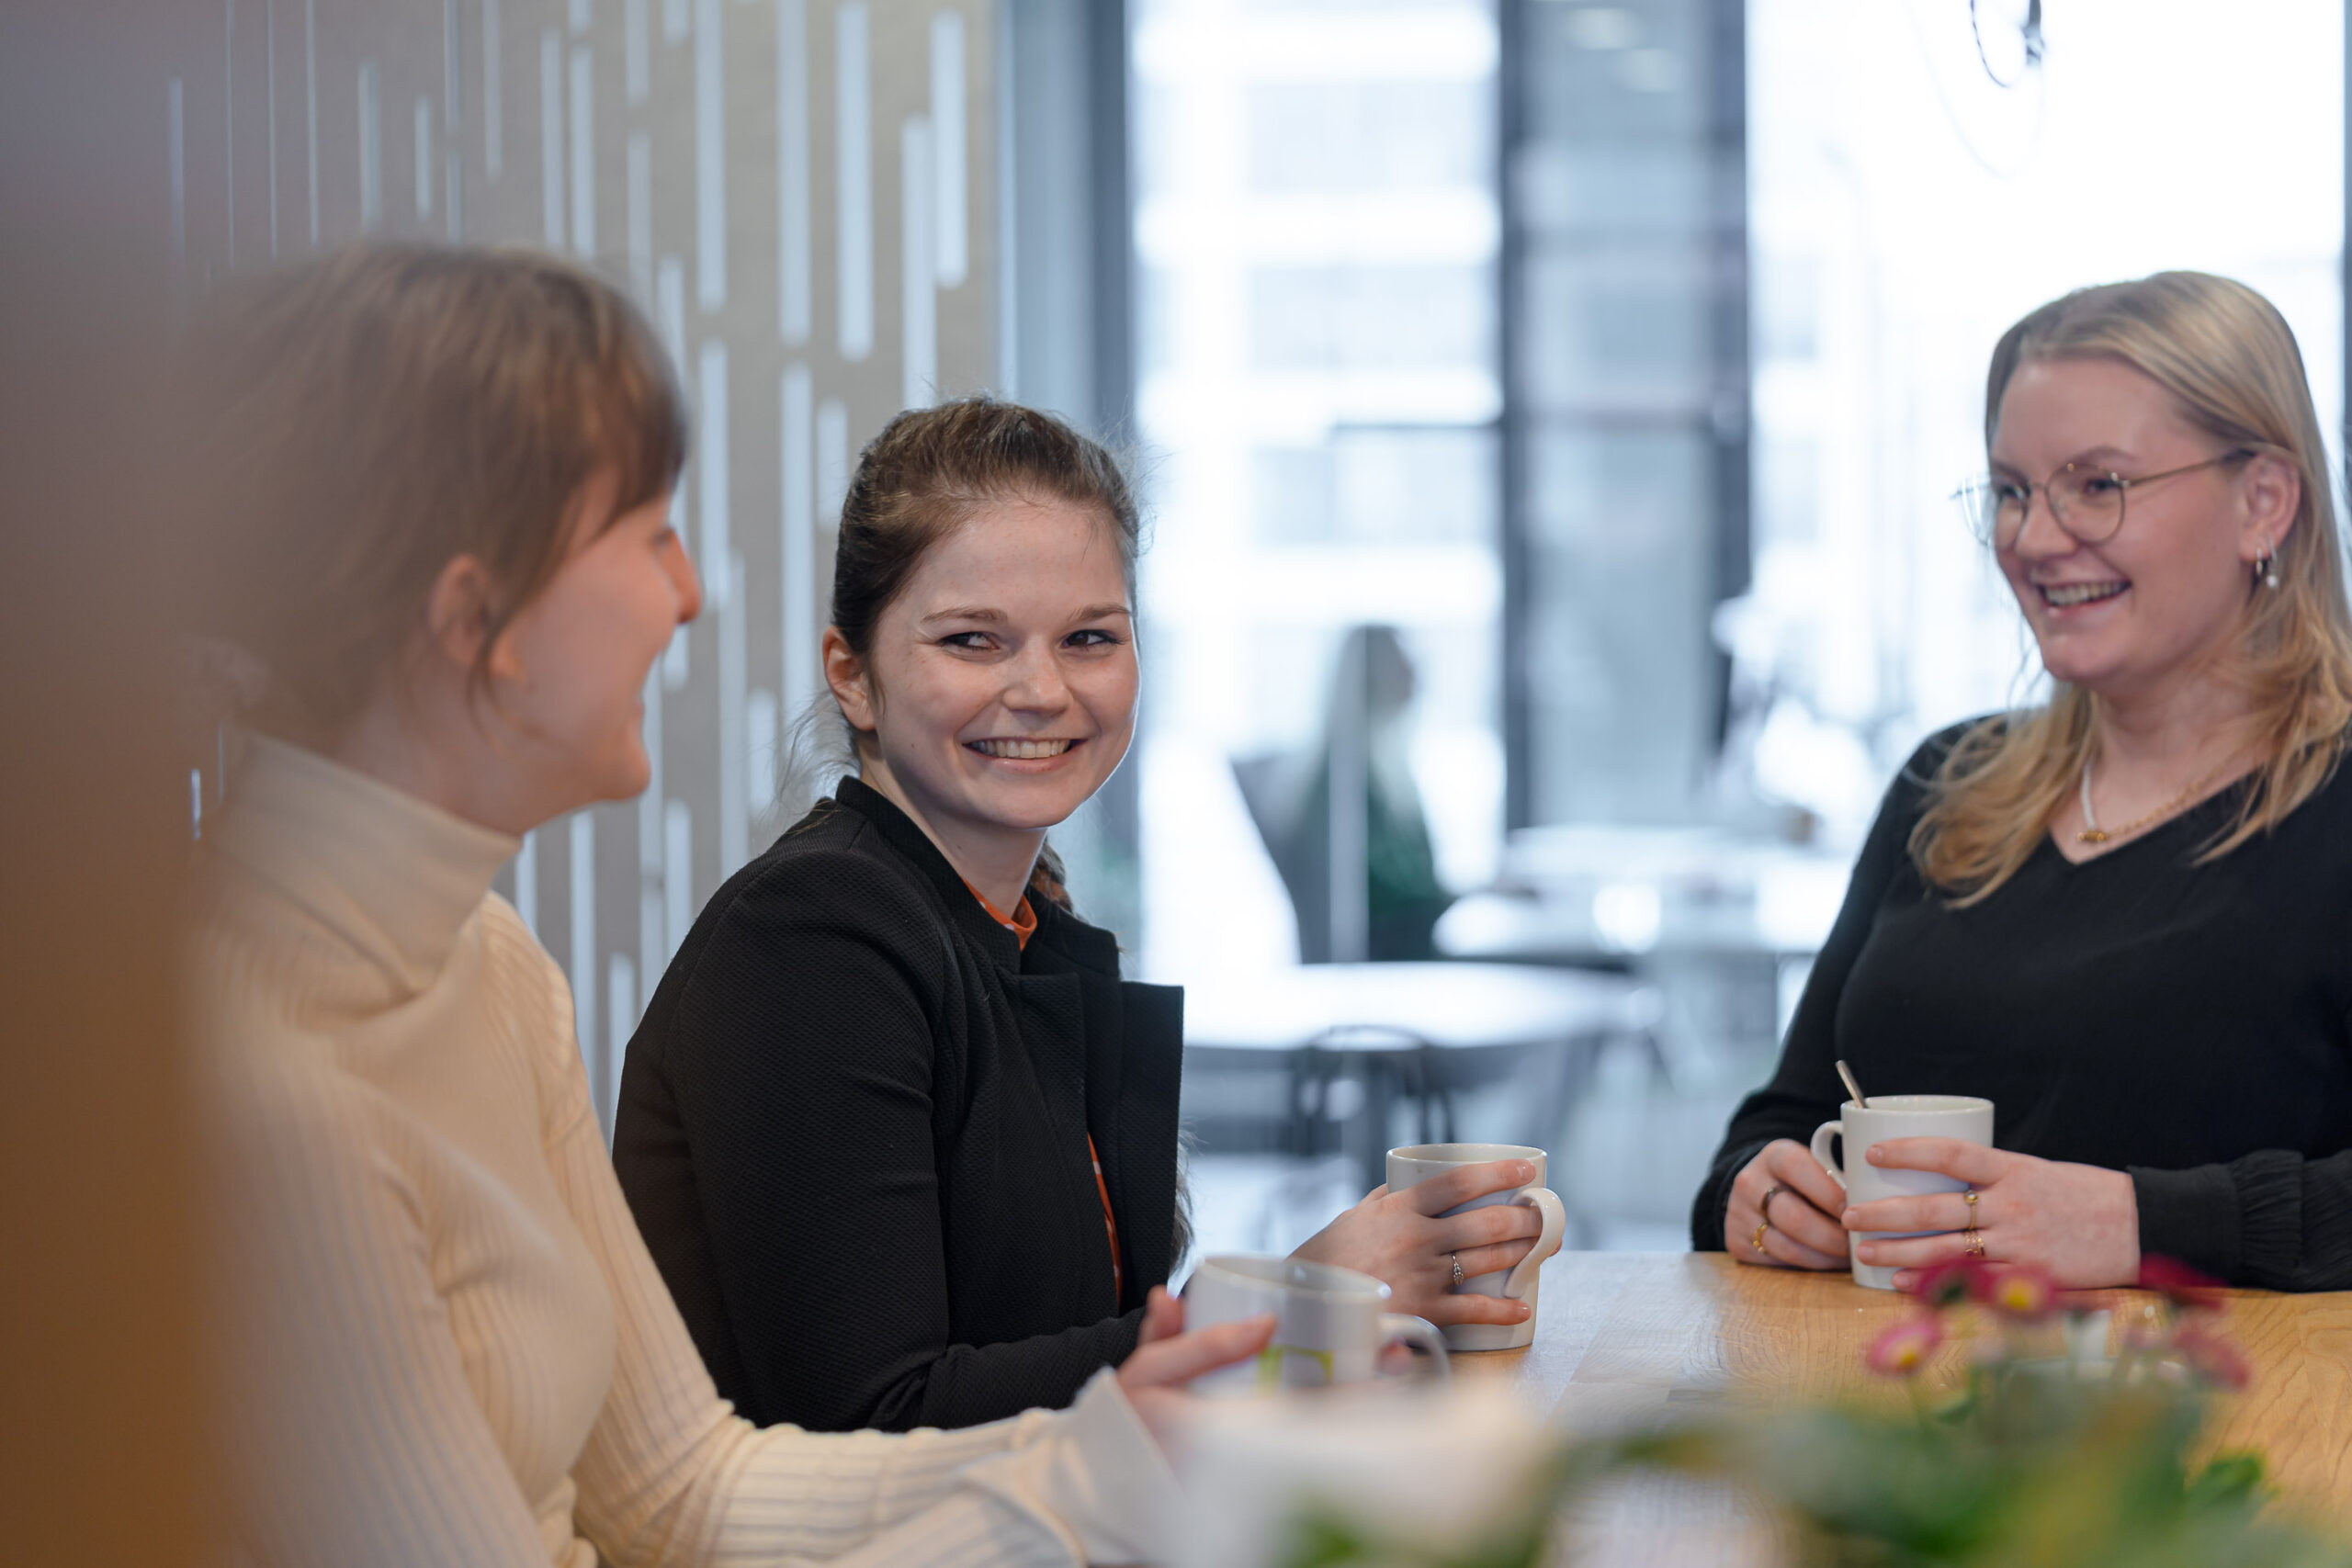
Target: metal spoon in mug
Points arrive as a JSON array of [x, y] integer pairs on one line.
[[1852, 1088]]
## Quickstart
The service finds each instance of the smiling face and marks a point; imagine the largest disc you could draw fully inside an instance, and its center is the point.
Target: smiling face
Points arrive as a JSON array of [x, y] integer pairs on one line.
[[998, 691], [568, 672], [2150, 604]]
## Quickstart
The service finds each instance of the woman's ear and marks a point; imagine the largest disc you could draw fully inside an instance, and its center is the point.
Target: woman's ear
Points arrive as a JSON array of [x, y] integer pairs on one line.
[[845, 674], [458, 615], [2273, 496]]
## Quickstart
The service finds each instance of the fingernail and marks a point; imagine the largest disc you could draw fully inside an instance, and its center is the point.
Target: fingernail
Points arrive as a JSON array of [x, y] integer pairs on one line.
[[1524, 1170], [1875, 1157], [1867, 1252], [1526, 1312], [1848, 1218]]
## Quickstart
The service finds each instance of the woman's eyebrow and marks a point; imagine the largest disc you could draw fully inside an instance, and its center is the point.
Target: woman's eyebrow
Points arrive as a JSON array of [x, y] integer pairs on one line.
[[1097, 612], [966, 613]]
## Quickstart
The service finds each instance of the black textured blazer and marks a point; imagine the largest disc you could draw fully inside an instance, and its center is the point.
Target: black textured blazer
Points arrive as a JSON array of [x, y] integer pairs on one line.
[[853, 1127]]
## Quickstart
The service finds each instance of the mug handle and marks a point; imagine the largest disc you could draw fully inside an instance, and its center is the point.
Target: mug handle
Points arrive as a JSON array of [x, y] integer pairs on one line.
[[1547, 1202], [1821, 1136], [1402, 1328]]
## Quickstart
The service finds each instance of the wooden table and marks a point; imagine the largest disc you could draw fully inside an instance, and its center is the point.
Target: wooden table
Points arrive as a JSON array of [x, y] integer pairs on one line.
[[1623, 1335]]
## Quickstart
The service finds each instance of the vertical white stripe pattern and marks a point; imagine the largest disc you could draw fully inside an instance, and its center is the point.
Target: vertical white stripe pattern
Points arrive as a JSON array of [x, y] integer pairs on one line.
[[493, 91], [229, 122], [371, 146], [583, 153], [833, 458], [653, 944], [797, 619], [917, 269], [551, 136], [621, 1015], [734, 639], [854, 180], [310, 100], [677, 874], [675, 17], [796, 238], [711, 472], [640, 215], [583, 933], [175, 149], [710, 161], [637, 50], [270, 98], [423, 157], [761, 732], [951, 232], [453, 82]]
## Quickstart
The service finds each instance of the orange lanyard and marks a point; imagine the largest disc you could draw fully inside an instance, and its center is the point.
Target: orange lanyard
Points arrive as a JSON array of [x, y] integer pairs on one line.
[[1023, 924]]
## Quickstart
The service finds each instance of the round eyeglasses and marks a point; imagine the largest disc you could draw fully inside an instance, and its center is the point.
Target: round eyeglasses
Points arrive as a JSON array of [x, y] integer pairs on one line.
[[2085, 500]]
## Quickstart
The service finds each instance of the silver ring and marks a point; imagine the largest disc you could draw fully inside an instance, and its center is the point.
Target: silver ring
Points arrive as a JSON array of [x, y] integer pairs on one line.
[[1457, 1269]]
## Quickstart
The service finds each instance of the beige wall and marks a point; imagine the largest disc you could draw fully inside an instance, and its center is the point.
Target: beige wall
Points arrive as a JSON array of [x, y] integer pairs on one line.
[[705, 153]]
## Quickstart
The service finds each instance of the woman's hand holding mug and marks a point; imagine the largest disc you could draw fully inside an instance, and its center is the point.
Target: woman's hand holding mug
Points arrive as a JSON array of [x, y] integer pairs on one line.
[[1167, 1358], [2079, 1224], [1803, 1231], [1400, 1237]]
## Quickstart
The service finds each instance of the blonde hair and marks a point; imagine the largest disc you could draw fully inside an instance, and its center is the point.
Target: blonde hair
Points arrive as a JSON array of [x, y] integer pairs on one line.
[[2229, 362]]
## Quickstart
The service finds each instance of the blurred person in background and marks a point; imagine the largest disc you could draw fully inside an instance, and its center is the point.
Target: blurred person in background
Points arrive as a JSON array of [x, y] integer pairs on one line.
[[1365, 756], [432, 513], [2120, 915], [902, 1139]]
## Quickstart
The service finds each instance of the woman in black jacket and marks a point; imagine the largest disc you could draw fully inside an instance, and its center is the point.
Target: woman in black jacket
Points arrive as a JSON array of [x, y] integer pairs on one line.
[[901, 1140]]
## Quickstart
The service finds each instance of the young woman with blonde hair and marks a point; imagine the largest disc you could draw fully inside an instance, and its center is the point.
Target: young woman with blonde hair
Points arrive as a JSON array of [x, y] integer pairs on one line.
[[430, 502], [2120, 915]]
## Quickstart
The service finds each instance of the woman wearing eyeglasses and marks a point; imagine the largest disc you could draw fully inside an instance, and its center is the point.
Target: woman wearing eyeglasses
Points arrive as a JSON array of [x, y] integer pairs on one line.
[[2125, 916]]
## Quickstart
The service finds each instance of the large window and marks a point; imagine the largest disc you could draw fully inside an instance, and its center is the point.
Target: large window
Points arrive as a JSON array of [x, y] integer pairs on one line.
[[1906, 207], [1316, 237]]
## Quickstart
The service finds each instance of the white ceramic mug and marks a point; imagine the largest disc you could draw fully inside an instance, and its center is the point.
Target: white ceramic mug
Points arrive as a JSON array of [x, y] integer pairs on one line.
[[1896, 1116], [1410, 1167], [1329, 1326]]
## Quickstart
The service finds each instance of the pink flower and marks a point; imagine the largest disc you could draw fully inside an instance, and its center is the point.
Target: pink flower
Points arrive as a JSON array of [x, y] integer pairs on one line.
[[1905, 1348], [2019, 1290], [2212, 1358], [2180, 1284], [1947, 1284]]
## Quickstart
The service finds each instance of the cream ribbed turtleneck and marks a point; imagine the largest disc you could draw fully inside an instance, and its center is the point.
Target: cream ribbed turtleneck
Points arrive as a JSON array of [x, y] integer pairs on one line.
[[449, 1346]]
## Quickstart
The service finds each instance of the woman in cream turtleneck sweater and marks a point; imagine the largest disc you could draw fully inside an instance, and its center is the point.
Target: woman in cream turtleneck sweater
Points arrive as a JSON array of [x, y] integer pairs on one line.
[[449, 1346]]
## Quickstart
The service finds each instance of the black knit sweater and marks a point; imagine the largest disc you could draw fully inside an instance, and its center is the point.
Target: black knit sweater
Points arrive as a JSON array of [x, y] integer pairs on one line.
[[853, 1127], [2190, 1024]]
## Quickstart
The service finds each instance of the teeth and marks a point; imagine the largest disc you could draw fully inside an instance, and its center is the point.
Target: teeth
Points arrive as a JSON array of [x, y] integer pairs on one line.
[[1023, 750], [2081, 593]]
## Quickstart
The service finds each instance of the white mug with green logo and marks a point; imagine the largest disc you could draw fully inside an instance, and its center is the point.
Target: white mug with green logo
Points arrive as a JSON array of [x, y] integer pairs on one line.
[[1329, 1326]]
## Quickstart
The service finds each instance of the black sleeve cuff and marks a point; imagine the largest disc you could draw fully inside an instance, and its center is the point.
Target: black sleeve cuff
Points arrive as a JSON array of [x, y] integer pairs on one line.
[[2191, 1216]]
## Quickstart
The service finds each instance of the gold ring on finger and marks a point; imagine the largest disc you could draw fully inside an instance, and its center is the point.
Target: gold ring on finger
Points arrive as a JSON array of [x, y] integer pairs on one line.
[[1758, 1240], [1971, 1195], [1976, 1244]]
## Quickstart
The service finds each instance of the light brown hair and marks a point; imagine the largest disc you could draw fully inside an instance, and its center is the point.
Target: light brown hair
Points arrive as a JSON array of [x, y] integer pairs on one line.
[[356, 422], [927, 473], [2229, 362]]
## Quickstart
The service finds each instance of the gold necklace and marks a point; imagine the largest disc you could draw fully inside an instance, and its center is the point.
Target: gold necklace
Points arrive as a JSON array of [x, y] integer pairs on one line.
[[2093, 834]]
